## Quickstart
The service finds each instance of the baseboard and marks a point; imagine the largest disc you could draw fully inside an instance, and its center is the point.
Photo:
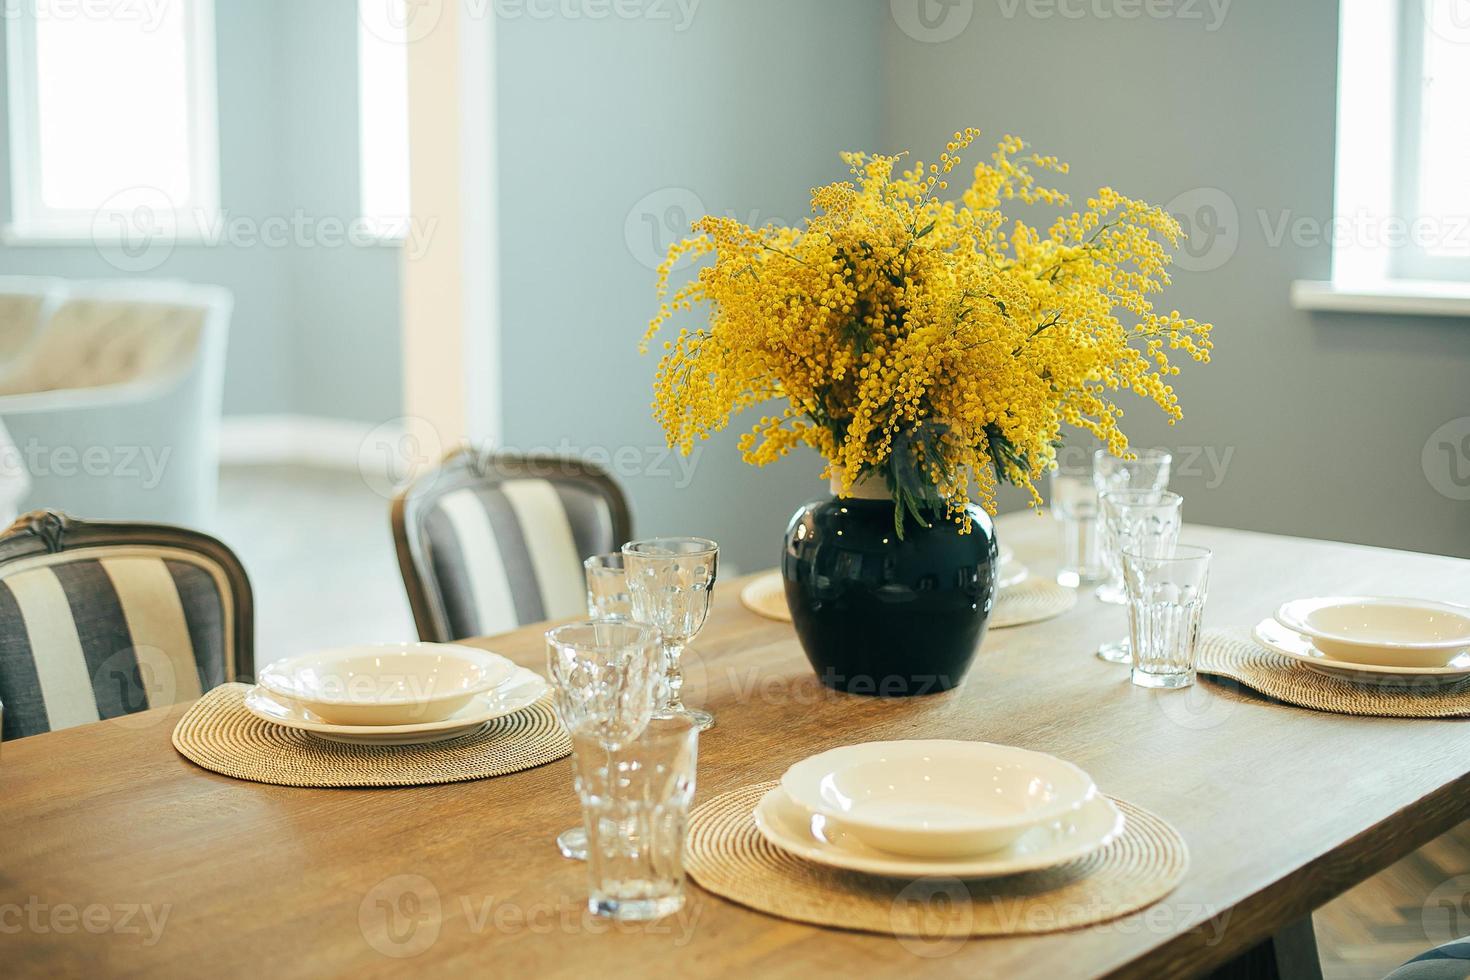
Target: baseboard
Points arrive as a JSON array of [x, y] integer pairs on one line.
[[298, 440]]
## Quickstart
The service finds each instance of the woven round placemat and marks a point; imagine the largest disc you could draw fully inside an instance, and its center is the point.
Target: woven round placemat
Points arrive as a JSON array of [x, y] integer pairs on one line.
[[1031, 601], [766, 596], [726, 855], [1232, 653], [219, 734]]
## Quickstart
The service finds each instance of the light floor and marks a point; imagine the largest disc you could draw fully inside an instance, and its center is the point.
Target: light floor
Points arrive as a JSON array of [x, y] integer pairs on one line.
[[320, 554]]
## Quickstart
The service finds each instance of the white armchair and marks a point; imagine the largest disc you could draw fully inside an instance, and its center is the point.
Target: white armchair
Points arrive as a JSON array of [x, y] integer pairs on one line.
[[113, 404]]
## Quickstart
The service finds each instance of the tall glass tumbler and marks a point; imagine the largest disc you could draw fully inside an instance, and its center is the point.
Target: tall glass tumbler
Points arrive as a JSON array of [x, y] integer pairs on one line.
[[1148, 469], [607, 587], [606, 678], [672, 581], [1143, 521], [635, 805], [1166, 601], [1074, 506]]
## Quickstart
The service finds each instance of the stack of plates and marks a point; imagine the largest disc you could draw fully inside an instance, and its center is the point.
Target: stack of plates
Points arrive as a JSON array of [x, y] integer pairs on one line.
[[925, 808], [1012, 572], [1369, 639], [392, 694]]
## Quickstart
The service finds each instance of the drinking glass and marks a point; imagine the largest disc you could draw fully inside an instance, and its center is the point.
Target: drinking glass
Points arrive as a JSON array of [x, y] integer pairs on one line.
[[1166, 598], [1074, 505], [606, 677], [607, 588], [1147, 470], [671, 581], [635, 805], [1145, 522]]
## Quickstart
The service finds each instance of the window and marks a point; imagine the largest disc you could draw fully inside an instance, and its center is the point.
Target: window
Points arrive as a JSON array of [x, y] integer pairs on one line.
[[1403, 146], [112, 116], [382, 74]]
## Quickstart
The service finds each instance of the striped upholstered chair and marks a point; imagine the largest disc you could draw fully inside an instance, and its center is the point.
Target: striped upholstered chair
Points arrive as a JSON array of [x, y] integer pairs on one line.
[[99, 620], [488, 542]]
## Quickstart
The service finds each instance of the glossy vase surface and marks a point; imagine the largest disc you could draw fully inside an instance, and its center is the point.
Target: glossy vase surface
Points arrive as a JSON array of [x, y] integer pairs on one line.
[[884, 616]]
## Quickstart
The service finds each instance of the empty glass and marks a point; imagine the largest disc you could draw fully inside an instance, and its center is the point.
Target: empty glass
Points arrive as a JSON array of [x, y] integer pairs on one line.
[[671, 581], [607, 588], [635, 805], [606, 679], [1074, 505], [1166, 599], [1145, 522], [1147, 470]]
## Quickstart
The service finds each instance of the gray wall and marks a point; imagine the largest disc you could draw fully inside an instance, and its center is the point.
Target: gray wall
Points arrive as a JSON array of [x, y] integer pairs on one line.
[[1327, 416], [607, 124], [315, 328]]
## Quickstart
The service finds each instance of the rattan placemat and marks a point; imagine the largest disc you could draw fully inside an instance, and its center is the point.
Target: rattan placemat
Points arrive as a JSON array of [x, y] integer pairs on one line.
[[219, 734], [766, 596], [726, 855], [1232, 653], [1031, 601]]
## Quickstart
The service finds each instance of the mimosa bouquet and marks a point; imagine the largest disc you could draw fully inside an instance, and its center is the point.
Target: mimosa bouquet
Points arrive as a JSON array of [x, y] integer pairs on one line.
[[937, 344]]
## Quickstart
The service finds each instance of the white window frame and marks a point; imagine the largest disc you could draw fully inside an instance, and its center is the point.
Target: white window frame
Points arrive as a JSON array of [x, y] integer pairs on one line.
[[1379, 83], [30, 217]]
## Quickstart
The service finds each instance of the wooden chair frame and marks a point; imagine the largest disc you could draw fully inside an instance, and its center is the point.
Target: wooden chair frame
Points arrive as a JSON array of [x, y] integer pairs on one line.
[[49, 532], [466, 468]]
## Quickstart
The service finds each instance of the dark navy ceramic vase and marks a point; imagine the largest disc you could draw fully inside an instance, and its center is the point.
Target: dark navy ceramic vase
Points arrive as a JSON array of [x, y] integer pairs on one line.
[[882, 616]]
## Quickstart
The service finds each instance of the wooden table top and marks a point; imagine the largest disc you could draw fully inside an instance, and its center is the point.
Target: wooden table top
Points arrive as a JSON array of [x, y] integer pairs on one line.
[[118, 856]]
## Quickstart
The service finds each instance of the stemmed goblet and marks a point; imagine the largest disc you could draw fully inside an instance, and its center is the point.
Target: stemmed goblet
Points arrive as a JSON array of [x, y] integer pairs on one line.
[[1144, 522], [1148, 469], [671, 581], [606, 676]]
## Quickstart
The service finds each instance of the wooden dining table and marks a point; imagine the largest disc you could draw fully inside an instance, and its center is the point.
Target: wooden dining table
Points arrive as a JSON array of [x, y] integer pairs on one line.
[[120, 857]]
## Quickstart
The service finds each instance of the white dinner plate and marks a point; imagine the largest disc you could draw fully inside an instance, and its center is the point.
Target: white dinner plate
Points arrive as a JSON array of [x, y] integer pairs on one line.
[[1289, 643], [789, 827], [521, 690], [1012, 573]]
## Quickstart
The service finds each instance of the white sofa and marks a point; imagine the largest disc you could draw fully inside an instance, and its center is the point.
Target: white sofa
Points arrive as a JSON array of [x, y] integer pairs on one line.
[[110, 392]]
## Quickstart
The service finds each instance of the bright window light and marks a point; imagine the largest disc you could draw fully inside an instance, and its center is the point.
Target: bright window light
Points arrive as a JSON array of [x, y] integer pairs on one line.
[[382, 71], [1444, 138], [112, 110]]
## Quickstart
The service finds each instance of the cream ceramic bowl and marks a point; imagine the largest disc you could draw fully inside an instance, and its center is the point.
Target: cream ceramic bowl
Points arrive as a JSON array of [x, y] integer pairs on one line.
[[386, 684], [1382, 632], [934, 798]]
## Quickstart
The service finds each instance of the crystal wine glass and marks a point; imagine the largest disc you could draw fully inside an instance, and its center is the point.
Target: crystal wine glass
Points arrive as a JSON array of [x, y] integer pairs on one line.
[[671, 581], [1148, 469], [606, 676], [1145, 522]]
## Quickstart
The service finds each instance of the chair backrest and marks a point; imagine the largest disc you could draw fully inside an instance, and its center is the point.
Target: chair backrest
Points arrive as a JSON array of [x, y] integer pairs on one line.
[[26, 303], [487, 542], [99, 620]]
